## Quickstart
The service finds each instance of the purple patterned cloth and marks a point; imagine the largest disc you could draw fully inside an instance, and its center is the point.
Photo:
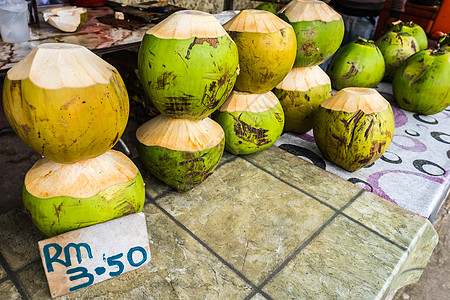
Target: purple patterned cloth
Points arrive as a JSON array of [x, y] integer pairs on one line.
[[414, 172]]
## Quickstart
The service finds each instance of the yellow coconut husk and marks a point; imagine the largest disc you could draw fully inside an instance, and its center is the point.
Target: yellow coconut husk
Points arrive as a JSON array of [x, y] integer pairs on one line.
[[353, 99], [252, 20], [186, 24], [66, 18], [309, 10], [242, 101], [303, 79], [180, 134], [68, 66], [82, 179]]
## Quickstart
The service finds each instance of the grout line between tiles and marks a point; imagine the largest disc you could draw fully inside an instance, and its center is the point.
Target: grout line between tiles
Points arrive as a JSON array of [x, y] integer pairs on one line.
[[27, 266], [375, 232], [237, 272], [303, 245], [12, 276], [291, 185], [329, 206]]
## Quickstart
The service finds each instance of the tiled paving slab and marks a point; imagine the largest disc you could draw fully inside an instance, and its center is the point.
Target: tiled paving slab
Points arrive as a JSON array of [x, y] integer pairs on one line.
[[263, 226], [8, 291], [18, 239], [181, 268]]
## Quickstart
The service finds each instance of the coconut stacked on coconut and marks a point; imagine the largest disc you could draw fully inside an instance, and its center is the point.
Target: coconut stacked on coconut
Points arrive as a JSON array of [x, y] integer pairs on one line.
[[319, 31], [188, 66], [72, 107], [252, 116]]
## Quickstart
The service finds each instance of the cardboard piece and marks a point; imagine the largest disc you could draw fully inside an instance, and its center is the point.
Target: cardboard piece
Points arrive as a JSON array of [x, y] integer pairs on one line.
[[89, 255]]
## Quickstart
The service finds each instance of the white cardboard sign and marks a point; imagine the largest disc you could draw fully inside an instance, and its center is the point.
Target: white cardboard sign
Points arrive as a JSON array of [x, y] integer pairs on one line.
[[86, 256]]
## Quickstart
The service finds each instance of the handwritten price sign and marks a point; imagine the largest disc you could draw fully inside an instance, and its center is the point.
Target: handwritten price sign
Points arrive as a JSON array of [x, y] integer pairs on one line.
[[86, 256]]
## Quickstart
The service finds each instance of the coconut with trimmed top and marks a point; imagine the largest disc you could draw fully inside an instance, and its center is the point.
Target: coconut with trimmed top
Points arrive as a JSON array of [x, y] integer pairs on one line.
[[66, 102], [354, 127], [181, 152], [63, 197], [188, 65], [300, 93], [318, 28], [252, 122], [266, 46], [66, 18]]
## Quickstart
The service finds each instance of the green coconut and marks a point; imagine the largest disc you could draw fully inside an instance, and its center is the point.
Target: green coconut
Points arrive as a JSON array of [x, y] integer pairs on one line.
[[66, 102], [300, 93], [422, 83], [66, 18], [188, 65], [63, 197], [267, 7], [357, 64], [182, 153], [318, 28], [415, 31], [252, 122], [266, 46], [396, 46], [354, 127]]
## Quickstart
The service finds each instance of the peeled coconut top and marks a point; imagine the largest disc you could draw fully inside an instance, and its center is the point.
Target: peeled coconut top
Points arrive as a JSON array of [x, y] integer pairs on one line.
[[253, 20], [353, 99], [186, 24], [303, 79], [242, 101], [180, 134], [82, 179], [309, 10], [57, 66], [65, 18]]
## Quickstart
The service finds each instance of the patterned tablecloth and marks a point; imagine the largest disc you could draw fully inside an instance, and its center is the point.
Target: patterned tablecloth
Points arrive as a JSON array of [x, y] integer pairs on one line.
[[414, 172]]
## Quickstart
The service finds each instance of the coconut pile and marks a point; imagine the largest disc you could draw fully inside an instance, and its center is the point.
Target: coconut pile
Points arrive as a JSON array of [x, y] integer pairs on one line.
[[188, 66], [319, 31], [71, 107], [252, 117], [233, 87]]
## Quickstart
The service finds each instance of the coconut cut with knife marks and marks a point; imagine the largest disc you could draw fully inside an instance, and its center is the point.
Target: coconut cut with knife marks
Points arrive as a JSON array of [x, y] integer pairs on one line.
[[300, 93], [188, 65], [66, 18], [63, 197], [180, 152], [266, 46], [252, 122], [65, 102], [354, 127], [319, 30]]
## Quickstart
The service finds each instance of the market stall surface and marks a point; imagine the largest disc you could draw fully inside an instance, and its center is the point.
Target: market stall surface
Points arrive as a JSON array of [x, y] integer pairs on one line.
[[264, 226]]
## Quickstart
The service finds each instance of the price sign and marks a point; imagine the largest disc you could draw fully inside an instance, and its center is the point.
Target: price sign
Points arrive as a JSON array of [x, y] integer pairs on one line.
[[83, 257]]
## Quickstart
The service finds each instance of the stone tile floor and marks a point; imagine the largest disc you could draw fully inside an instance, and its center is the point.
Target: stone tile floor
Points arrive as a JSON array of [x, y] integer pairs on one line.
[[263, 226], [434, 283]]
